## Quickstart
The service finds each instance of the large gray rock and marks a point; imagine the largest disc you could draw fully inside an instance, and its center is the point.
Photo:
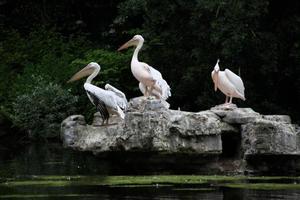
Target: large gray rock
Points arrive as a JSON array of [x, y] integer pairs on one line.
[[71, 130], [233, 115], [297, 129], [148, 126], [223, 109], [278, 118], [266, 137], [241, 116]]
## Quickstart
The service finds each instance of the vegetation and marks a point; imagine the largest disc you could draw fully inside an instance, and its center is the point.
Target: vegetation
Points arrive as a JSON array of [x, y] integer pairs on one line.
[[41, 110], [161, 180], [259, 39]]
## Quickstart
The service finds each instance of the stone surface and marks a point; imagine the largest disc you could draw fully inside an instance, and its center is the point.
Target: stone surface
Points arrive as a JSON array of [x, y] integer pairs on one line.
[[223, 109], [72, 128], [269, 137], [278, 118], [150, 127], [241, 116], [147, 128], [297, 129], [231, 114]]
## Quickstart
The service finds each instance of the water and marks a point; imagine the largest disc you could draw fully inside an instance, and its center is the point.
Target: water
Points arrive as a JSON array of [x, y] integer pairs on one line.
[[52, 172]]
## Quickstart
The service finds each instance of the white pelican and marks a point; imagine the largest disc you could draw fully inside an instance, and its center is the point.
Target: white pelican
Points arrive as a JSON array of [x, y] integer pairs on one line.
[[108, 101], [151, 80], [228, 82]]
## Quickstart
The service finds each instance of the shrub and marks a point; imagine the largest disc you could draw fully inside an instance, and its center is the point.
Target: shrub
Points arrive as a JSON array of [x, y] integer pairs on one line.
[[41, 109]]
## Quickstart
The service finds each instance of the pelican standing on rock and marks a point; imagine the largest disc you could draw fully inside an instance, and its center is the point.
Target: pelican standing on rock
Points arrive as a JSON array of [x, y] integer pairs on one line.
[[229, 83], [108, 101], [151, 80]]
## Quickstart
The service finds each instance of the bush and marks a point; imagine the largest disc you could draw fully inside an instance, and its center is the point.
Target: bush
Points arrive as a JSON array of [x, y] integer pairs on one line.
[[41, 52], [41, 110]]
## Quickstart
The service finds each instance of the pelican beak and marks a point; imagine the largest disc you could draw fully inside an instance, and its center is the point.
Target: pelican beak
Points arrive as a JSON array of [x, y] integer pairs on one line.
[[127, 44], [87, 70], [216, 80]]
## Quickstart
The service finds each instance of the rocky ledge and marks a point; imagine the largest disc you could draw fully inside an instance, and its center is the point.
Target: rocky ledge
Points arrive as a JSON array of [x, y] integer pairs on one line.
[[235, 139]]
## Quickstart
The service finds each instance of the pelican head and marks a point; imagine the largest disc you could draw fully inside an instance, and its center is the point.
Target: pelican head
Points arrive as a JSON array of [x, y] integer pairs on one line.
[[217, 68], [215, 75], [86, 71], [137, 39]]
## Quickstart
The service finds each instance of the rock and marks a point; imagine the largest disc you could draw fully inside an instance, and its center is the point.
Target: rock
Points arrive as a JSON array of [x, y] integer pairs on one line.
[[229, 128], [147, 128], [278, 118], [297, 129], [223, 109], [71, 128], [141, 104], [269, 137], [241, 116], [233, 115], [247, 137]]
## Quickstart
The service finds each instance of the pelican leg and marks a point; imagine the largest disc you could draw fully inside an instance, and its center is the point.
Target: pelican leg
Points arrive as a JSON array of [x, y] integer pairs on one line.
[[105, 122], [153, 94], [226, 100], [146, 92], [150, 91], [230, 100]]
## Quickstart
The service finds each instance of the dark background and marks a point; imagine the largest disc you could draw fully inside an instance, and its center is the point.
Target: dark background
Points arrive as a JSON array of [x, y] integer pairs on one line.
[[43, 43]]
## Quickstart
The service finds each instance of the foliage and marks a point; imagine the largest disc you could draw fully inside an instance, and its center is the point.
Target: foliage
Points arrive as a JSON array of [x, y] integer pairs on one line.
[[42, 52], [42, 108], [257, 39]]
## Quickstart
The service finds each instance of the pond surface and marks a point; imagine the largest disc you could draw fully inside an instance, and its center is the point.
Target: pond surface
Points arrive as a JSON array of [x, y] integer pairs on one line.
[[52, 172]]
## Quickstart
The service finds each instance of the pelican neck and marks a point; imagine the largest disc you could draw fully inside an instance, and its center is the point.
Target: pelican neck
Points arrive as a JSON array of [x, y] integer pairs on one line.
[[136, 51], [93, 75]]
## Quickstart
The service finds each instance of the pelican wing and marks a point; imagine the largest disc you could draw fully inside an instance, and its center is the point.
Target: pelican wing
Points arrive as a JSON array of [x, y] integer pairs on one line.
[[162, 84], [236, 81], [105, 96], [115, 90], [100, 105], [120, 96]]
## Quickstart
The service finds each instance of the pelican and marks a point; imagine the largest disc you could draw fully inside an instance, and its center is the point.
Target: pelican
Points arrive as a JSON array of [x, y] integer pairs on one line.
[[109, 101], [151, 80], [228, 82]]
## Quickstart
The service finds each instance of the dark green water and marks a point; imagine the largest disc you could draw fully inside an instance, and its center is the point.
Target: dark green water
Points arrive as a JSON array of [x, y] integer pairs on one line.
[[51, 172]]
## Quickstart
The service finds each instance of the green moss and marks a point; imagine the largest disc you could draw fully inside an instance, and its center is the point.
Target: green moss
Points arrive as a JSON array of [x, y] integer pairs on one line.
[[263, 186], [113, 180], [61, 181]]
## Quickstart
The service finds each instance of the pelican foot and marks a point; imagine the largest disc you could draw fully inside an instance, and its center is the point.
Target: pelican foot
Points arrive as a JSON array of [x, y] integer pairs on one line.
[[151, 98], [229, 105]]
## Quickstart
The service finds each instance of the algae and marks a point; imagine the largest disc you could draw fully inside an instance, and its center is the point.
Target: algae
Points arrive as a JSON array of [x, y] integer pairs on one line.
[[62, 181], [114, 180]]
